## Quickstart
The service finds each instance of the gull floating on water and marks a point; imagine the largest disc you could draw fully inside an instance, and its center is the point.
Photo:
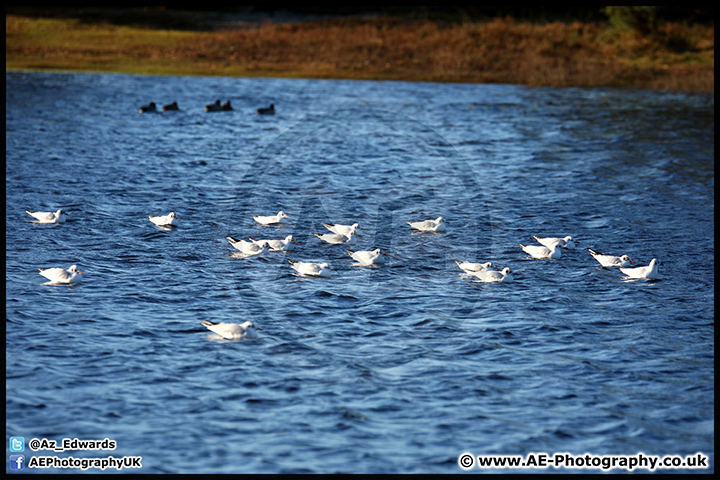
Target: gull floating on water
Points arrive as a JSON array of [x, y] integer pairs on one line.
[[271, 219], [276, 245], [367, 257], [48, 217], [541, 251], [566, 242], [649, 272], [611, 260], [60, 275], [311, 269], [248, 248], [169, 219], [336, 238], [470, 267], [494, 276], [428, 225], [342, 229], [232, 331]]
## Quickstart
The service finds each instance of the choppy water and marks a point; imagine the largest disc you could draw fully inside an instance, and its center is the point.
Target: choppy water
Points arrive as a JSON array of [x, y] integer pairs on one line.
[[394, 369]]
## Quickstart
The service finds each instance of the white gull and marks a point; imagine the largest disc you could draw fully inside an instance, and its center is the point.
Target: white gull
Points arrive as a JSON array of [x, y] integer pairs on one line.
[[494, 276], [342, 229], [367, 257], [611, 260], [337, 238], [311, 269], [566, 242], [471, 267], [271, 219], [248, 248], [428, 225], [60, 275], [649, 272], [276, 245], [541, 251], [232, 331], [48, 217], [164, 220]]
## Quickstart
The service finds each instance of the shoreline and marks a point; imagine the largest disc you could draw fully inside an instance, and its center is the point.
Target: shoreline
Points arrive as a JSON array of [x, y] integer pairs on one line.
[[97, 72], [676, 58]]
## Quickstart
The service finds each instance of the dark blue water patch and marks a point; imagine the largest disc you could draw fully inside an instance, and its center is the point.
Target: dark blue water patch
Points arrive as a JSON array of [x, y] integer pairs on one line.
[[390, 369]]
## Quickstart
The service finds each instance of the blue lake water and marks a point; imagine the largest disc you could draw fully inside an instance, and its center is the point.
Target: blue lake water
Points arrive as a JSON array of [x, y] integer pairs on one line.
[[393, 369]]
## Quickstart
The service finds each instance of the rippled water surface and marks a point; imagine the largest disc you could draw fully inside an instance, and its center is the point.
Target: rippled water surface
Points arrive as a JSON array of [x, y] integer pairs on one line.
[[392, 369]]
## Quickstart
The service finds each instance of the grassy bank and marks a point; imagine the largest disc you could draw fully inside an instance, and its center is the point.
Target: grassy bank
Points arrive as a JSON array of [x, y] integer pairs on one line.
[[676, 56]]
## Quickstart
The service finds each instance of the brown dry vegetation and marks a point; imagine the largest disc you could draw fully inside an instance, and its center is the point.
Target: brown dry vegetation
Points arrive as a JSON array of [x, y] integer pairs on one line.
[[677, 56]]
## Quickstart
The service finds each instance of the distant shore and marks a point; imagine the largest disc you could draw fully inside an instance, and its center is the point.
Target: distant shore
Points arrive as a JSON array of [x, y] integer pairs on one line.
[[676, 57]]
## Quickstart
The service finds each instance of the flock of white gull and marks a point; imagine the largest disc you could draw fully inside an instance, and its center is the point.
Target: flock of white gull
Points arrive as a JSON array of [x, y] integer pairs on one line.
[[547, 248]]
